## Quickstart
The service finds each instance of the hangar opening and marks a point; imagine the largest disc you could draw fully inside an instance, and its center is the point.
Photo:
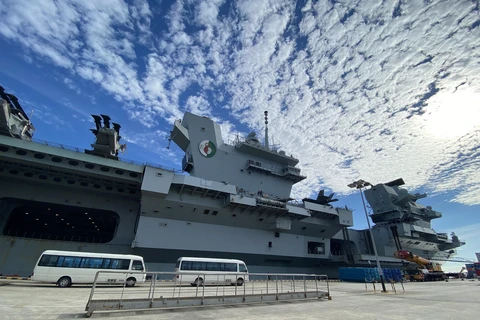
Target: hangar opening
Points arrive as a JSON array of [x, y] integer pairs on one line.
[[42, 220]]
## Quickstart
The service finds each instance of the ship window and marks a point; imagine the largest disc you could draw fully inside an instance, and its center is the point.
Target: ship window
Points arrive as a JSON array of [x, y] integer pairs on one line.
[[214, 213], [316, 247], [206, 211], [58, 222]]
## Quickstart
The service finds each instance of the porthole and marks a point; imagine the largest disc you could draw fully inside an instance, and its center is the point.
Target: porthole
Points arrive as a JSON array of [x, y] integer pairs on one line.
[[56, 159], [21, 152], [39, 156]]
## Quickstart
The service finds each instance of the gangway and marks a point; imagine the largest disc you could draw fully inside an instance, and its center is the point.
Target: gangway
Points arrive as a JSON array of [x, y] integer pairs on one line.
[[159, 293]]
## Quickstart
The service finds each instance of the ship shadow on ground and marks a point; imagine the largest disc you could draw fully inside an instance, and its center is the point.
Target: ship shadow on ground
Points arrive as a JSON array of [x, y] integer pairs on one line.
[[183, 310]]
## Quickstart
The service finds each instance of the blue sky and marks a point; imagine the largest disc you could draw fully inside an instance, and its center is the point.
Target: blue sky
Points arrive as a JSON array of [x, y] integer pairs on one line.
[[375, 90]]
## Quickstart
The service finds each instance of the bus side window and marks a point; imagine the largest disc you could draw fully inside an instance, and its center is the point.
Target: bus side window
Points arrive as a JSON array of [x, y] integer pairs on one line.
[[120, 264], [231, 267], [242, 268], [48, 261], [186, 265], [96, 263], [213, 266], [84, 263], [60, 262], [68, 262], [137, 265], [106, 263], [199, 265]]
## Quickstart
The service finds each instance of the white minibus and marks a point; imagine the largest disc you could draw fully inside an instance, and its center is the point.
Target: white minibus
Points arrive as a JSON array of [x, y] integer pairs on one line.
[[199, 271], [67, 267]]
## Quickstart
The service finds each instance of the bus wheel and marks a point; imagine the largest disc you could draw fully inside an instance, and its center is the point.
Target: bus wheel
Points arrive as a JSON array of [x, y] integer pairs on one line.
[[239, 282], [64, 282], [131, 282], [198, 282]]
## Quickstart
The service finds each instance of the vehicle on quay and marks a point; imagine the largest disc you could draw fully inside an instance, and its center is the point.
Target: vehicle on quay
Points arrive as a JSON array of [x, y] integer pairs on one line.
[[426, 270], [200, 271], [476, 269], [65, 268]]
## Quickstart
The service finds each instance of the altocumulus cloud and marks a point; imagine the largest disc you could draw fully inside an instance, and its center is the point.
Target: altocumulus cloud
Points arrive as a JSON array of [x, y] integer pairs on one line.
[[358, 89]]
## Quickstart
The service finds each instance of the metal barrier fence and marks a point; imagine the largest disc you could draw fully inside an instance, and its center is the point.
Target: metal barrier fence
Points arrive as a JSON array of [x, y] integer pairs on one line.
[[183, 291]]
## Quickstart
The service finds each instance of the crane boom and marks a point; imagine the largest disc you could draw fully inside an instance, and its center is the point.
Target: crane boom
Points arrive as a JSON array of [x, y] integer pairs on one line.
[[409, 256]]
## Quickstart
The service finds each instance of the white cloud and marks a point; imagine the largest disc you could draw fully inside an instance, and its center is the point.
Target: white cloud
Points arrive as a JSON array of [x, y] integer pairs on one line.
[[355, 89]]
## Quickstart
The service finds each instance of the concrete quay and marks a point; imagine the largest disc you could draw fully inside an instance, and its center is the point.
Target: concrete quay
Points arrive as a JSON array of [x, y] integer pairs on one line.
[[456, 299]]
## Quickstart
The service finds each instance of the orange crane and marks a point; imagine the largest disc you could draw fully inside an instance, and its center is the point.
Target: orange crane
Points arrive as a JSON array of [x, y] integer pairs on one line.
[[426, 270]]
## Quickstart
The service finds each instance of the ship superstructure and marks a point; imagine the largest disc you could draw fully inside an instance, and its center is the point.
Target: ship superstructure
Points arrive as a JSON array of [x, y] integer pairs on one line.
[[404, 224], [228, 201], [235, 202], [400, 223]]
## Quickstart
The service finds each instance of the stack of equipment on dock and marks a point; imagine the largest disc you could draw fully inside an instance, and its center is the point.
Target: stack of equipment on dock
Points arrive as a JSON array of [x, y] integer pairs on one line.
[[369, 274]]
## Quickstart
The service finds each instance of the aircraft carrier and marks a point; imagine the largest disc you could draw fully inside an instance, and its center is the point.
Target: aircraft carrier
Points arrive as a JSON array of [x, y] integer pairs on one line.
[[228, 200]]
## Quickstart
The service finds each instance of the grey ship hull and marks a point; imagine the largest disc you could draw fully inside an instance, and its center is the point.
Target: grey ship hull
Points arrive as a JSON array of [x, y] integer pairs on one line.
[[58, 198]]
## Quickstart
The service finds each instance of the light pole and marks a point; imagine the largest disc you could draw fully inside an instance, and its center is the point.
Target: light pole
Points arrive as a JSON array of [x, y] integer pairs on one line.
[[360, 184]]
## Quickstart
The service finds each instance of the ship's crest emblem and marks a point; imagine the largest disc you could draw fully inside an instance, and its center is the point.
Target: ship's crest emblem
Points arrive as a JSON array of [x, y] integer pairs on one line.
[[207, 148]]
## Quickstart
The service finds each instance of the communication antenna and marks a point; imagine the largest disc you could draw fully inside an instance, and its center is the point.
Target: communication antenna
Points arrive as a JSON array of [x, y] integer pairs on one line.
[[266, 129]]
